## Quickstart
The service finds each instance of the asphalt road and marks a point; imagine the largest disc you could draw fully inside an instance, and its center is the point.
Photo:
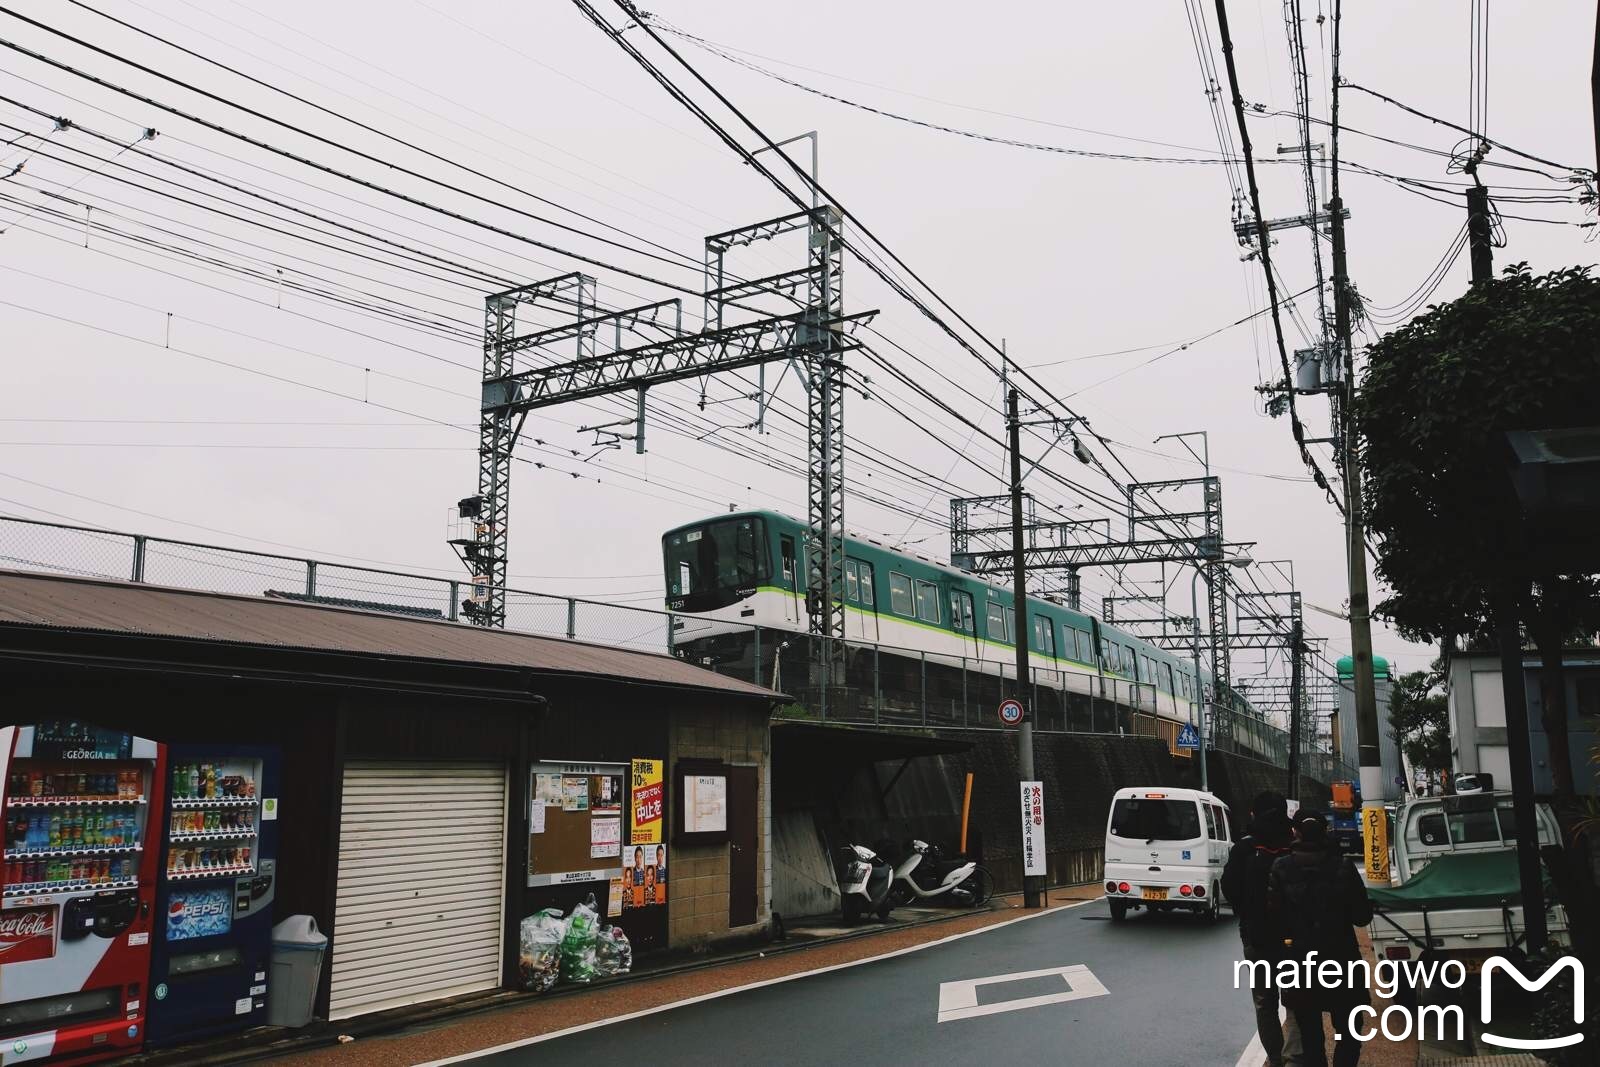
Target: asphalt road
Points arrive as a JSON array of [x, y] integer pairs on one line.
[[1169, 999]]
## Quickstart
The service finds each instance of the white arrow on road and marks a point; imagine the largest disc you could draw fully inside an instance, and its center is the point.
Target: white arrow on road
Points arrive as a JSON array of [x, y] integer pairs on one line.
[[959, 1000]]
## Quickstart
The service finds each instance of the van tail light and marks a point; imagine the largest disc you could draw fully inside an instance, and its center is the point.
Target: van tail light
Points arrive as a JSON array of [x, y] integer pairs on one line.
[[1199, 890], [1122, 887], [1185, 890], [1398, 952], [1111, 887]]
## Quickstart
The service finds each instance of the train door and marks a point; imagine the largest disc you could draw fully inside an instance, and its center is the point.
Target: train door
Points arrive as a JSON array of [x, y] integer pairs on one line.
[[869, 603], [964, 621], [790, 580]]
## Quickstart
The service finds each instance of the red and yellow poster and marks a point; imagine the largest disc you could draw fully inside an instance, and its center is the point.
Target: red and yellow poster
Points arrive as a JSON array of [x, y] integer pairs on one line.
[[648, 808]]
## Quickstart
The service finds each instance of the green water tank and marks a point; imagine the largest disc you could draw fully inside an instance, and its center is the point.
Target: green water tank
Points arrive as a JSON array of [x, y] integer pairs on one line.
[[1347, 667]]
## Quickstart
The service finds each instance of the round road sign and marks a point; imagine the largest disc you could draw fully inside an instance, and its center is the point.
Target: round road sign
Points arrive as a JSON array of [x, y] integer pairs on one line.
[[1011, 712]]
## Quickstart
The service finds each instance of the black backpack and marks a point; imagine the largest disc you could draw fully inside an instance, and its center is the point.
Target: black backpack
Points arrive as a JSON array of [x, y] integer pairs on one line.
[[1308, 906]]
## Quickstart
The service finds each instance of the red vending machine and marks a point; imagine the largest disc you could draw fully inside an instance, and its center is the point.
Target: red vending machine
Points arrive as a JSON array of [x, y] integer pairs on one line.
[[82, 805]]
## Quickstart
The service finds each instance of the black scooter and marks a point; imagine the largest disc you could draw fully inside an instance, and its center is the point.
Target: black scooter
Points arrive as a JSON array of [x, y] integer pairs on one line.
[[865, 880]]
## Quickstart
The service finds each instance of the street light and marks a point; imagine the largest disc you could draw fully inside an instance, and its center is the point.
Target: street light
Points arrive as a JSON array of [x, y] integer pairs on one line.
[[1199, 690]]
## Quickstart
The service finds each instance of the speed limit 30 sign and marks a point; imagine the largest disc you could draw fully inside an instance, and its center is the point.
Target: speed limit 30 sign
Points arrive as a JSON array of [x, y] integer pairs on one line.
[[1011, 712]]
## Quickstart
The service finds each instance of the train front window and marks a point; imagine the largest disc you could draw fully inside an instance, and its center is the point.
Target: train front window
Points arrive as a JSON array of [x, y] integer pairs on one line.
[[726, 554]]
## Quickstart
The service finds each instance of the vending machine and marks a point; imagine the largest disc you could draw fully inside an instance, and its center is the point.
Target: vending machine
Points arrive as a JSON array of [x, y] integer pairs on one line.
[[213, 930], [81, 805]]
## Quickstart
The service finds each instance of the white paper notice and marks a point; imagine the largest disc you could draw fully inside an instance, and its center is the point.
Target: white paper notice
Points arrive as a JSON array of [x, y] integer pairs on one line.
[[605, 837], [538, 817]]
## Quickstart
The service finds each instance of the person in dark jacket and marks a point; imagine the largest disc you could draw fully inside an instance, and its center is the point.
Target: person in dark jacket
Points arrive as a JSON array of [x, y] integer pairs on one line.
[[1315, 900], [1244, 884]]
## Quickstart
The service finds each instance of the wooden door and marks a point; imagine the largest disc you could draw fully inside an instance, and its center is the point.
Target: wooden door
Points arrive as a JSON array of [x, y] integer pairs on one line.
[[743, 841]]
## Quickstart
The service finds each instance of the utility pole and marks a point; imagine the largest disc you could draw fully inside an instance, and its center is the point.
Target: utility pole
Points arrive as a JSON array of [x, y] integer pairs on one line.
[[1508, 635], [1479, 232], [1032, 884], [1296, 684], [1374, 790]]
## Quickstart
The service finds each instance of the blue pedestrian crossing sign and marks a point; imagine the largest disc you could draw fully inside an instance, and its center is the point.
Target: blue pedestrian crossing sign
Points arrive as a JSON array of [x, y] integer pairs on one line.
[[1188, 737]]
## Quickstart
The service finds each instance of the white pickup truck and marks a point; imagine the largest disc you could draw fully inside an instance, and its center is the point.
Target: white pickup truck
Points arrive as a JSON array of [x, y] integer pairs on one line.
[[1459, 895]]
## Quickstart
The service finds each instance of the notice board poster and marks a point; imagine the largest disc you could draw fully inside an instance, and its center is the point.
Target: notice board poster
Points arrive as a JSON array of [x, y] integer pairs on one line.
[[700, 810], [575, 822], [647, 806]]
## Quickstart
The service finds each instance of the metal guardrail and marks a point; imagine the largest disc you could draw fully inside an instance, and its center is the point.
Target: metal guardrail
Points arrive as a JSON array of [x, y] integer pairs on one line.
[[884, 685]]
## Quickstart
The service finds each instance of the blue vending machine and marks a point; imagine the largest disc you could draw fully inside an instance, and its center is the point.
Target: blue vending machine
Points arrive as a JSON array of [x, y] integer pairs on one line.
[[212, 941]]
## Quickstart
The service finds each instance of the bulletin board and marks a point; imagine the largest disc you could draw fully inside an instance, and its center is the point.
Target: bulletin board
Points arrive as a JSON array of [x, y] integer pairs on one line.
[[576, 815], [701, 812]]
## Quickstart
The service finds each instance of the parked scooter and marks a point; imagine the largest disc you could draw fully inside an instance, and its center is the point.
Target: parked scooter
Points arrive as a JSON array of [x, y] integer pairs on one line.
[[865, 880], [925, 875]]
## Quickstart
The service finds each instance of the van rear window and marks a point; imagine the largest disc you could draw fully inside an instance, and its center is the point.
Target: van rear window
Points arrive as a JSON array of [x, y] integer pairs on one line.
[[1155, 820]]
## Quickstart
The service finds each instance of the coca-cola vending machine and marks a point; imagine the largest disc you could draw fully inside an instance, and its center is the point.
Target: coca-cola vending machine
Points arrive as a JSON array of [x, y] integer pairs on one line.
[[80, 805]]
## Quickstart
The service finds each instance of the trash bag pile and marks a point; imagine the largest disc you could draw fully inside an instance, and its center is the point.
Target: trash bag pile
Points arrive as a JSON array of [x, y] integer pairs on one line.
[[573, 948]]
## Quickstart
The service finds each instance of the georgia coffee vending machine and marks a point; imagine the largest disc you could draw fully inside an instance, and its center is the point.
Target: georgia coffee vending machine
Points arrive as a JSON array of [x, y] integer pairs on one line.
[[215, 884], [81, 807]]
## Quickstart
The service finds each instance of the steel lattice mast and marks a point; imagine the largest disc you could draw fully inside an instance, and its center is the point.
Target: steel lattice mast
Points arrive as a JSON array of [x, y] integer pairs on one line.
[[817, 336]]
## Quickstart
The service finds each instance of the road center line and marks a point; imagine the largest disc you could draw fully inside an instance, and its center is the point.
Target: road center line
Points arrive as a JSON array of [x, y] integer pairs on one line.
[[731, 990]]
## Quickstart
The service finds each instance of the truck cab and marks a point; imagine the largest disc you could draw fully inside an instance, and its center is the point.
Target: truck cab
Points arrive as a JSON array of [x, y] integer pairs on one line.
[[1165, 850]]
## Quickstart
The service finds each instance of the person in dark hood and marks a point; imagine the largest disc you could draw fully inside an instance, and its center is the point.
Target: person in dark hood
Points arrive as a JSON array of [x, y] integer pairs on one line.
[[1315, 900], [1244, 884]]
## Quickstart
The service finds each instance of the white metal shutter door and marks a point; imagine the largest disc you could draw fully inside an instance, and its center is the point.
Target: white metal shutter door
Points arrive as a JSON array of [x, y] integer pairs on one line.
[[421, 893]]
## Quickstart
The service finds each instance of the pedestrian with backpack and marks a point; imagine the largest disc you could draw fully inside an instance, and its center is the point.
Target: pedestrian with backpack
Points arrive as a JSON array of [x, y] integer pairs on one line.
[[1315, 900], [1244, 884]]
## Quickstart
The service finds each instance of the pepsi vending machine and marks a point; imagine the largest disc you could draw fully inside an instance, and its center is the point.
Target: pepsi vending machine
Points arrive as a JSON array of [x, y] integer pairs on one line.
[[213, 930], [81, 805]]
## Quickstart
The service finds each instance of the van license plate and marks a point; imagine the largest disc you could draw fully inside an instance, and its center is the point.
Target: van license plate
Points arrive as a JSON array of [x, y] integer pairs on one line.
[[1155, 894]]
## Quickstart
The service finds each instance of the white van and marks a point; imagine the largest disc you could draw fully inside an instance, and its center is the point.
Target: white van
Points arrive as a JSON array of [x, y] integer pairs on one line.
[[1165, 850]]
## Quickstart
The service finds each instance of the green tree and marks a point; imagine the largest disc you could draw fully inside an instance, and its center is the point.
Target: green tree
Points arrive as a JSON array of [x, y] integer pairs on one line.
[[1518, 352], [1420, 718]]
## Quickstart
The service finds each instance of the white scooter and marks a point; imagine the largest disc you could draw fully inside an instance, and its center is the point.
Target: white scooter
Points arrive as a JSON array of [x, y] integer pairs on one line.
[[917, 878], [866, 883]]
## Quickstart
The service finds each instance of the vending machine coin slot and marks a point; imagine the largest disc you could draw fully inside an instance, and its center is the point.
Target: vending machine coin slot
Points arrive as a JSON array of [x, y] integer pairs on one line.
[[78, 917], [115, 912]]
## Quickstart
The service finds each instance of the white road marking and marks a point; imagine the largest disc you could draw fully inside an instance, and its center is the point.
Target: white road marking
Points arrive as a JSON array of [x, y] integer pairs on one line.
[[959, 1000], [524, 1042], [1255, 1054]]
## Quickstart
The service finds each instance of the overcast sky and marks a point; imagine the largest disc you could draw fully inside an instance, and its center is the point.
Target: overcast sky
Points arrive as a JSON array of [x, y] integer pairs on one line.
[[1066, 258]]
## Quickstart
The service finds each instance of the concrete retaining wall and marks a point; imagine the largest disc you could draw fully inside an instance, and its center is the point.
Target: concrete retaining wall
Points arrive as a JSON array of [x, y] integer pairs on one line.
[[871, 805]]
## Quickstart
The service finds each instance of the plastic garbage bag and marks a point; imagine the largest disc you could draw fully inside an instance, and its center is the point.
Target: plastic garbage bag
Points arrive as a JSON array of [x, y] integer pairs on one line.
[[613, 953], [541, 936], [578, 946]]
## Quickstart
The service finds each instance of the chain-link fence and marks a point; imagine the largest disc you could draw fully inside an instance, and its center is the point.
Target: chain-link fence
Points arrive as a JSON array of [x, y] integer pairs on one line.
[[871, 684]]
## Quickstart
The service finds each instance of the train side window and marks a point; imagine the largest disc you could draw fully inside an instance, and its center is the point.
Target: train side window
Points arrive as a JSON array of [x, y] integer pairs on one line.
[[786, 551], [1166, 678], [1044, 635], [1085, 647], [864, 570], [900, 595], [996, 619], [928, 602], [852, 581]]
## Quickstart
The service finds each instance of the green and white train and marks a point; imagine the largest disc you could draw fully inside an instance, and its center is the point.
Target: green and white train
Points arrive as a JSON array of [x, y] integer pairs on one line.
[[935, 627]]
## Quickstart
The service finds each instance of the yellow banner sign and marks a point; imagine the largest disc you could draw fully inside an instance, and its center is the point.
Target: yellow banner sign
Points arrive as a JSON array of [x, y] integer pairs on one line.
[[1375, 844], [648, 802]]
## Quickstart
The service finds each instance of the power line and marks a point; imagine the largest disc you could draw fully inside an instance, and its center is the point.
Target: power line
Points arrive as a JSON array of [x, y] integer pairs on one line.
[[1264, 247]]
